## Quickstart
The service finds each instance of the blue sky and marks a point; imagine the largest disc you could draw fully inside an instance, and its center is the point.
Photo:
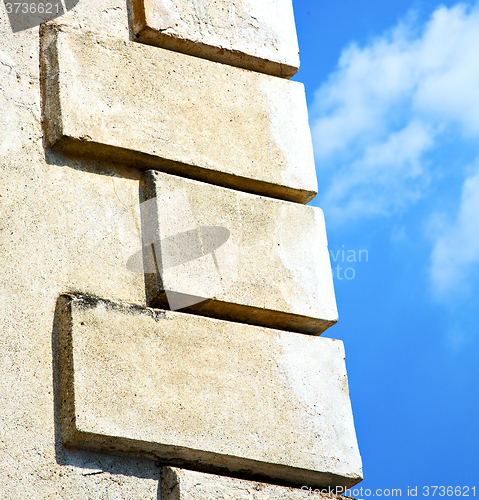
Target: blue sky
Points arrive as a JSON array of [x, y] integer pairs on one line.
[[393, 97]]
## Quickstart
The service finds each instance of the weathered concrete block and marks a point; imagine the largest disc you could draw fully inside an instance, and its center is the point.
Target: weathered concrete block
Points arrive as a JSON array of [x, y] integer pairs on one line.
[[207, 394], [154, 108], [226, 254], [182, 484], [259, 35]]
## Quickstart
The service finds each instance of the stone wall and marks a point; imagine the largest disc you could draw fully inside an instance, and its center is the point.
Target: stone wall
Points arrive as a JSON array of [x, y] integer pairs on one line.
[[81, 121]]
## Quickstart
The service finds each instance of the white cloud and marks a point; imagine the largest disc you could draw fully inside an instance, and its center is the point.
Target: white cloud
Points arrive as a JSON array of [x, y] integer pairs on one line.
[[449, 80], [379, 123], [378, 119], [455, 258], [369, 185]]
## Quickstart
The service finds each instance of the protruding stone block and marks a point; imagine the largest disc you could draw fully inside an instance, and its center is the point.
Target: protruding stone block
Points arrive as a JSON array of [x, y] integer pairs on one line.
[[259, 35], [182, 484], [210, 395], [226, 254], [154, 108]]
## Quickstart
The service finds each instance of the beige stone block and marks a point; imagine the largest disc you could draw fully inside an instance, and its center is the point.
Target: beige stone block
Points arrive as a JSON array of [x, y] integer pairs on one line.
[[226, 254], [182, 484], [154, 108], [259, 35], [210, 395]]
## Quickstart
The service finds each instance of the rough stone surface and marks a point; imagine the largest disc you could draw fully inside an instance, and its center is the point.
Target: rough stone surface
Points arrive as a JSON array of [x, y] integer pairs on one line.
[[65, 225], [251, 34], [153, 108], [182, 484], [271, 268], [214, 395]]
